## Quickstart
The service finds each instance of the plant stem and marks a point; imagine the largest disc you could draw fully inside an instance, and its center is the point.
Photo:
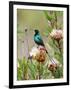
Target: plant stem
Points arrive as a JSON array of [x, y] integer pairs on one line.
[[39, 70], [59, 46]]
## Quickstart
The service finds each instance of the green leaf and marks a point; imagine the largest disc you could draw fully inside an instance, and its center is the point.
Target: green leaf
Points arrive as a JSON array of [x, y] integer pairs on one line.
[[32, 70], [58, 73], [47, 16]]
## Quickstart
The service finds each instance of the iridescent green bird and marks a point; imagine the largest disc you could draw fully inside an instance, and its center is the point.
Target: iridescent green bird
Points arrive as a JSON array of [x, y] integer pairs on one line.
[[38, 39]]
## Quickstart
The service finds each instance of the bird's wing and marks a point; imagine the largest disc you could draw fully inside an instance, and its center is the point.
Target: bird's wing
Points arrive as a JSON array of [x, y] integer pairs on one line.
[[39, 38]]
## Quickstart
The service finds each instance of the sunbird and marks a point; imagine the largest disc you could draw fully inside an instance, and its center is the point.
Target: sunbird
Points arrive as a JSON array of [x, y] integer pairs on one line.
[[39, 41]]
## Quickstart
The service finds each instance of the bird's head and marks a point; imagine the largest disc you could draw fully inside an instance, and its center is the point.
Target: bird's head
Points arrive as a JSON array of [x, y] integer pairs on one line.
[[36, 31]]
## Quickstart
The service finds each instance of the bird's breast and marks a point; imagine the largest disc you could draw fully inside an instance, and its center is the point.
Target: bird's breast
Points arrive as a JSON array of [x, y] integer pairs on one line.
[[36, 39]]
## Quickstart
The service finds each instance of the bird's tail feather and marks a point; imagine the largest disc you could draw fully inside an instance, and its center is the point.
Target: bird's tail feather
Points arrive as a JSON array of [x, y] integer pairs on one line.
[[50, 58]]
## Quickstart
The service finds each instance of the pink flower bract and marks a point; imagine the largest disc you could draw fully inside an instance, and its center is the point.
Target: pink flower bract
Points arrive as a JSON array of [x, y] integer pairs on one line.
[[57, 34]]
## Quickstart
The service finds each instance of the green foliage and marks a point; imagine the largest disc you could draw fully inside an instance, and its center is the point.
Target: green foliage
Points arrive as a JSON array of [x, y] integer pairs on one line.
[[48, 16], [28, 70], [54, 19], [58, 73], [32, 70], [22, 69]]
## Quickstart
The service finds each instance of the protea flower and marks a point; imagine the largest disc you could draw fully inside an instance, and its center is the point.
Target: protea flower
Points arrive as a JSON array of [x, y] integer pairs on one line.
[[53, 66], [57, 34], [38, 53]]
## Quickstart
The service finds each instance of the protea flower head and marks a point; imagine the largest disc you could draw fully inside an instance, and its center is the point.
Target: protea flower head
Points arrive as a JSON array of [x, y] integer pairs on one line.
[[57, 34], [52, 67], [38, 53]]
